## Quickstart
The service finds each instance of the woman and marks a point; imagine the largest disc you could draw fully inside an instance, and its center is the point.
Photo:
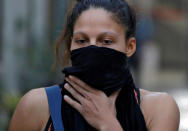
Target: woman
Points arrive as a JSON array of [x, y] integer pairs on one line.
[[98, 91]]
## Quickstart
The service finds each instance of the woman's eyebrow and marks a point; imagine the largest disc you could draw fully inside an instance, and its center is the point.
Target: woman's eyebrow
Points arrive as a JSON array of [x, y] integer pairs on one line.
[[103, 33], [80, 33], [108, 33]]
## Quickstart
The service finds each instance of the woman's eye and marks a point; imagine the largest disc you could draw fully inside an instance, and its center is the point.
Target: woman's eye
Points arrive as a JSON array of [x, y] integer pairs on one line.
[[107, 42], [82, 41]]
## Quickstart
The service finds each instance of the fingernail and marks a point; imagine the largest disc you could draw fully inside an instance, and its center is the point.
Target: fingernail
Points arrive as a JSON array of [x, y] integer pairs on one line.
[[66, 85], [70, 77], [65, 96]]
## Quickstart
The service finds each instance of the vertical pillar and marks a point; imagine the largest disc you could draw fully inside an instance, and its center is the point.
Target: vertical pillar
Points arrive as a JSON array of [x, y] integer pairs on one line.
[[13, 39]]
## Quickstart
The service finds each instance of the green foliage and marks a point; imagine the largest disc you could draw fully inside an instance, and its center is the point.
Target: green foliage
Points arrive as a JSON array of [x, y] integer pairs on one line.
[[8, 103]]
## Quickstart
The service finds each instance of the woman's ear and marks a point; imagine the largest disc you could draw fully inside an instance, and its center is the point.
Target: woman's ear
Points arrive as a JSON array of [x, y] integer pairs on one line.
[[131, 46]]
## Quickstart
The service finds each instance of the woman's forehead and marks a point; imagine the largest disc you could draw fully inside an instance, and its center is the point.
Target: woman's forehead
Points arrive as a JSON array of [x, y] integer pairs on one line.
[[97, 20]]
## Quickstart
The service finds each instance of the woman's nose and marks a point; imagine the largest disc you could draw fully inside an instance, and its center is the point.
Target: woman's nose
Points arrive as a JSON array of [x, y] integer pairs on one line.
[[94, 42]]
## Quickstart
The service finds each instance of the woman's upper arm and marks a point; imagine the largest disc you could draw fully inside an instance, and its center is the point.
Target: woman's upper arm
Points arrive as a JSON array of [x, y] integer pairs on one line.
[[165, 114], [30, 111]]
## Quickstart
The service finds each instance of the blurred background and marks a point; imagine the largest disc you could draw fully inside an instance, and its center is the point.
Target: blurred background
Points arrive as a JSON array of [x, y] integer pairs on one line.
[[29, 28]]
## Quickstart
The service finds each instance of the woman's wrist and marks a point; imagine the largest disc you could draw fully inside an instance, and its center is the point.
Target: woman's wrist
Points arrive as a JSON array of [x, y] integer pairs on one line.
[[112, 125]]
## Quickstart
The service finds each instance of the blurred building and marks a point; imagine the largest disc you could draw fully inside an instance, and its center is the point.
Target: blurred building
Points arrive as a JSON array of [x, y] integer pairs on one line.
[[163, 58], [28, 30]]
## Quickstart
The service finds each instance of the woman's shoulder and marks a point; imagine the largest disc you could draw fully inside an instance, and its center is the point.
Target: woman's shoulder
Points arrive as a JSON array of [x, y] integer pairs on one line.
[[31, 112], [156, 98], [159, 109], [146, 95]]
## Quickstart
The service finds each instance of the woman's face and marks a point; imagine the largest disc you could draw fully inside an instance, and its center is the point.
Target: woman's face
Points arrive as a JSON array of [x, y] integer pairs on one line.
[[97, 27]]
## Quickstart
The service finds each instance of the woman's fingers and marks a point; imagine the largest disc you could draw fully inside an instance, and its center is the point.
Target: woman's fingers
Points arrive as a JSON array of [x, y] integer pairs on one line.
[[77, 87], [82, 101], [74, 93], [84, 89], [82, 84], [73, 103]]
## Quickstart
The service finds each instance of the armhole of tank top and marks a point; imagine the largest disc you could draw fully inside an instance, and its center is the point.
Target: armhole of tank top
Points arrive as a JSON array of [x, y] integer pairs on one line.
[[49, 125], [138, 95]]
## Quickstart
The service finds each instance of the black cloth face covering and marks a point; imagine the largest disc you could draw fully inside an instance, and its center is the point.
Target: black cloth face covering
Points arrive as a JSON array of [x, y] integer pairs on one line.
[[100, 67]]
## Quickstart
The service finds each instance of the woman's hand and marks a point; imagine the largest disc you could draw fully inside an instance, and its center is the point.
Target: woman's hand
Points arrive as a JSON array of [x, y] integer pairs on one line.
[[97, 109]]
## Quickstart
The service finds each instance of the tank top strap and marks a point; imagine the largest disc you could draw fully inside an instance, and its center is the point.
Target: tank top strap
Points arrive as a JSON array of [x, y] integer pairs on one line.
[[54, 101]]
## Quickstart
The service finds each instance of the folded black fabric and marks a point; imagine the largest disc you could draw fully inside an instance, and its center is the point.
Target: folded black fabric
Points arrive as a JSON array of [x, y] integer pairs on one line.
[[100, 67]]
